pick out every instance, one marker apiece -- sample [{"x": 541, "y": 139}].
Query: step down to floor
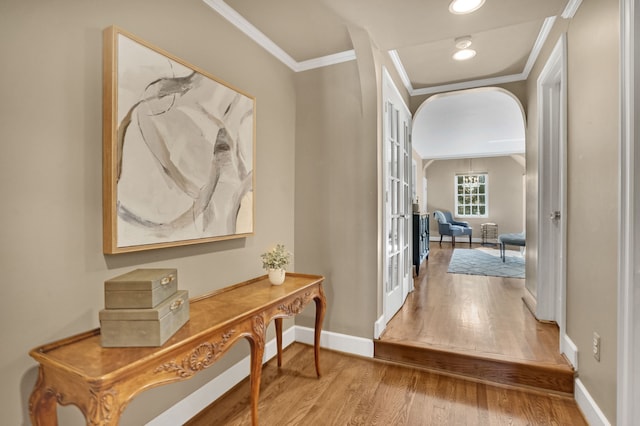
[{"x": 486, "y": 367}]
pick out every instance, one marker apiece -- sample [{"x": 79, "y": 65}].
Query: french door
[{"x": 397, "y": 160}]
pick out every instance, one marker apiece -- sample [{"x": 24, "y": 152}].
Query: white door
[
  {"x": 628, "y": 383},
  {"x": 397, "y": 161},
  {"x": 551, "y": 290}
]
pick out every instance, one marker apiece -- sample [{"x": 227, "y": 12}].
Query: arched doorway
[{"x": 474, "y": 130}]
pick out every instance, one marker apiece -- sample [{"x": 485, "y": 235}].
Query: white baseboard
[
  {"x": 570, "y": 350},
  {"x": 378, "y": 327},
  {"x": 203, "y": 397},
  {"x": 337, "y": 342},
  {"x": 591, "y": 411}
]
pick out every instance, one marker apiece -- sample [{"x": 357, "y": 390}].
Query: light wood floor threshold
[
  {"x": 477, "y": 327},
  {"x": 484, "y": 367}
]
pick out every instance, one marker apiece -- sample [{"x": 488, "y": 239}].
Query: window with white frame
[{"x": 472, "y": 196}]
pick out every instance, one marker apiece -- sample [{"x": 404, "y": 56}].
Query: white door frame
[
  {"x": 552, "y": 118},
  {"x": 392, "y": 303},
  {"x": 628, "y": 380}
]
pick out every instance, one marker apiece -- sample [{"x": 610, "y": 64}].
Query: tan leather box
[
  {"x": 144, "y": 327},
  {"x": 141, "y": 288}
]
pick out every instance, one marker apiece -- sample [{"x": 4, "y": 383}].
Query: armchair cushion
[
  {"x": 449, "y": 219},
  {"x": 452, "y": 228}
]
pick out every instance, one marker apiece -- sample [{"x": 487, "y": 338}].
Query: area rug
[{"x": 486, "y": 262}]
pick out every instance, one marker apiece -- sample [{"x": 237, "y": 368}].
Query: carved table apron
[{"x": 101, "y": 381}]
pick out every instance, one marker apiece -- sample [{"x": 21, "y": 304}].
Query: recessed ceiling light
[
  {"x": 463, "y": 45},
  {"x": 464, "y": 54},
  {"x": 460, "y": 7},
  {"x": 463, "y": 42}
]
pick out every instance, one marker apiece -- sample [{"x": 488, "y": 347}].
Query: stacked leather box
[{"x": 142, "y": 308}]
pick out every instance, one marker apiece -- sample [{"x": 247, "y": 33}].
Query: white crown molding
[
  {"x": 323, "y": 61},
  {"x": 395, "y": 58},
  {"x": 267, "y": 44},
  {"x": 547, "y": 25},
  {"x": 463, "y": 155},
  {"x": 252, "y": 32},
  {"x": 471, "y": 84},
  {"x": 571, "y": 9}
]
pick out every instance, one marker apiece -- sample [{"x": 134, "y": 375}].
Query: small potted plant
[{"x": 274, "y": 262}]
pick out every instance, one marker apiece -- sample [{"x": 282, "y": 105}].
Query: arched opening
[
  {"x": 470, "y": 313},
  {"x": 477, "y": 132}
]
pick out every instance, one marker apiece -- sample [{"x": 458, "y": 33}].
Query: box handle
[
  {"x": 167, "y": 280},
  {"x": 176, "y": 305}
]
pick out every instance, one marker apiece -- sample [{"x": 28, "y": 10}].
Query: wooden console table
[{"x": 101, "y": 381}]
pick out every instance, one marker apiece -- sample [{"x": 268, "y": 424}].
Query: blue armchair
[{"x": 450, "y": 227}]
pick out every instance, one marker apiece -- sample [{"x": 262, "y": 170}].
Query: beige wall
[
  {"x": 325, "y": 208},
  {"x": 593, "y": 90},
  {"x": 51, "y": 133},
  {"x": 336, "y": 197},
  {"x": 419, "y": 187},
  {"x": 337, "y": 212},
  {"x": 592, "y": 176},
  {"x": 505, "y": 192}
]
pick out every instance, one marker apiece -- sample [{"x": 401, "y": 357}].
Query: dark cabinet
[{"x": 420, "y": 239}]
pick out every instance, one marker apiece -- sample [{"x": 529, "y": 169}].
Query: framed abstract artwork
[{"x": 178, "y": 151}]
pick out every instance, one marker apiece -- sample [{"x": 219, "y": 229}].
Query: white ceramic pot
[{"x": 276, "y": 276}]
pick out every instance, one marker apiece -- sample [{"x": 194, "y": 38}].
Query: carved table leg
[
  {"x": 256, "y": 340},
  {"x": 43, "y": 403},
  {"x": 103, "y": 407},
  {"x": 321, "y": 305},
  {"x": 100, "y": 407},
  {"x": 278, "y": 322}
]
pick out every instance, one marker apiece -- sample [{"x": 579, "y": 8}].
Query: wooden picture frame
[{"x": 178, "y": 151}]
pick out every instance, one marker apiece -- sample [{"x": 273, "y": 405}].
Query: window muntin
[{"x": 471, "y": 194}]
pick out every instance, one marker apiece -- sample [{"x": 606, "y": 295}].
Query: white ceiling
[
  {"x": 418, "y": 34},
  {"x": 473, "y": 123}
]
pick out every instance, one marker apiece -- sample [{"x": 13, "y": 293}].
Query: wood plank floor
[
  {"x": 473, "y": 316},
  {"x": 357, "y": 391},
  {"x": 460, "y": 316}
]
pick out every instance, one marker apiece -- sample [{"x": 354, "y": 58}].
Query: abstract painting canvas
[{"x": 178, "y": 151}]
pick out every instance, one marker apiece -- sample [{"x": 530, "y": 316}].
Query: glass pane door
[
  {"x": 395, "y": 228},
  {"x": 397, "y": 208},
  {"x": 396, "y": 184}
]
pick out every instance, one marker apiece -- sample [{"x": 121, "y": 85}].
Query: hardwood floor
[
  {"x": 466, "y": 324},
  {"x": 467, "y": 320},
  {"x": 357, "y": 391}
]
